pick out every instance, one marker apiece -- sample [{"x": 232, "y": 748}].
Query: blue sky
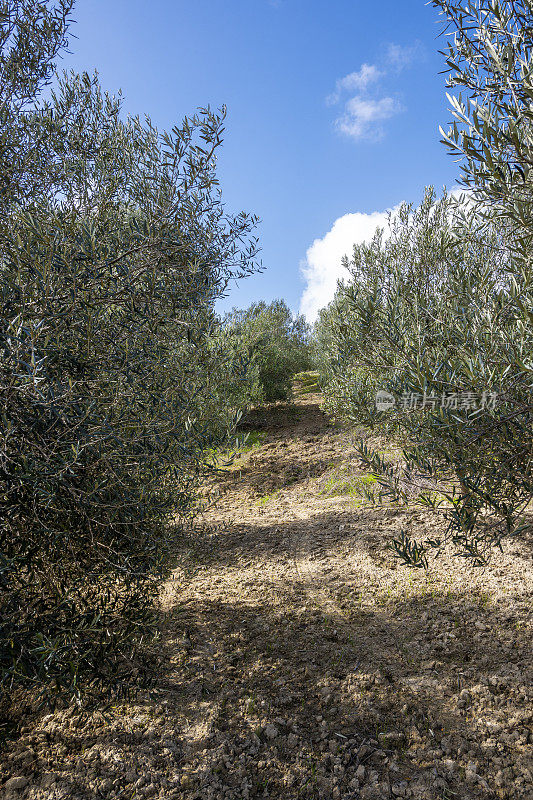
[{"x": 333, "y": 113}]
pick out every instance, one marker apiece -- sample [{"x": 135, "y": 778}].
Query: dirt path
[{"x": 301, "y": 661}]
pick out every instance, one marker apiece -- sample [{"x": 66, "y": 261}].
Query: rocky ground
[{"x": 300, "y": 660}]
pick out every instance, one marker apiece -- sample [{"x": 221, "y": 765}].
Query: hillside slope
[{"x": 300, "y": 660}]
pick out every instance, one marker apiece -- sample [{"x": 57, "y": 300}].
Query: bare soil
[{"x": 299, "y": 659}]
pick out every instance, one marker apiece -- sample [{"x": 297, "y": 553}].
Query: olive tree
[
  {"x": 489, "y": 58},
  {"x": 275, "y": 343},
  {"x": 114, "y": 248},
  {"x": 471, "y": 336},
  {"x": 423, "y": 320}
]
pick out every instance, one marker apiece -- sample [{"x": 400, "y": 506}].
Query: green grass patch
[
  {"x": 251, "y": 440},
  {"x": 266, "y": 498},
  {"x": 229, "y": 459},
  {"x": 342, "y": 482},
  {"x": 307, "y": 382}
]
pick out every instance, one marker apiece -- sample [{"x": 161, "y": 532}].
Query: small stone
[
  {"x": 373, "y": 776},
  {"x": 16, "y": 783},
  {"x": 398, "y": 790},
  {"x": 360, "y": 772},
  {"x": 292, "y": 740},
  {"x": 271, "y": 731},
  {"x": 48, "y": 779}
]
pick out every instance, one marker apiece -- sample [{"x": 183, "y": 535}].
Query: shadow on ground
[
  {"x": 303, "y": 703},
  {"x": 297, "y": 660}
]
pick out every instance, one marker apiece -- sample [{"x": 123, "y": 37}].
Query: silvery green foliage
[
  {"x": 429, "y": 310},
  {"x": 114, "y": 247},
  {"x": 473, "y": 331},
  {"x": 275, "y": 345},
  {"x": 490, "y": 60}
]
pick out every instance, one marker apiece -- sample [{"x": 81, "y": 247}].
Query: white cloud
[
  {"x": 322, "y": 267},
  {"x": 401, "y": 57},
  {"x": 361, "y": 115},
  {"x": 369, "y": 106},
  {"x": 355, "y": 81}
]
